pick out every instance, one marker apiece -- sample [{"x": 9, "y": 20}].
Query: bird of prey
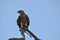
[{"x": 23, "y": 22}]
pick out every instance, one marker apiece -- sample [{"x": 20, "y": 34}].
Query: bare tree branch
[
  {"x": 35, "y": 37},
  {"x": 16, "y": 39}
]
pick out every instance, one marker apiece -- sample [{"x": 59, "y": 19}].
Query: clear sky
[{"x": 44, "y": 18}]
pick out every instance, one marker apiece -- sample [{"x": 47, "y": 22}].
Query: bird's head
[{"x": 21, "y": 12}]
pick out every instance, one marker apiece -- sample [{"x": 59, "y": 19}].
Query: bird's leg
[
  {"x": 21, "y": 25},
  {"x": 22, "y": 33}
]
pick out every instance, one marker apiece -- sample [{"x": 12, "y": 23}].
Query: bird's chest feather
[{"x": 23, "y": 19}]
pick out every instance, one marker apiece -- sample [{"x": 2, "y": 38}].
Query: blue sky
[{"x": 44, "y": 18}]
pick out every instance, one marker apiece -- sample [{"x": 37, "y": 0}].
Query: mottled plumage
[
  {"x": 23, "y": 19},
  {"x": 23, "y": 22}
]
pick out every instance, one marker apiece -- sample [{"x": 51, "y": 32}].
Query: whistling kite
[{"x": 23, "y": 21}]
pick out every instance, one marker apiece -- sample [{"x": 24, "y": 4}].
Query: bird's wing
[{"x": 28, "y": 21}]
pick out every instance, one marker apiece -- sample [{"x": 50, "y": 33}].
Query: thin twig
[{"x": 35, "y": 37}]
